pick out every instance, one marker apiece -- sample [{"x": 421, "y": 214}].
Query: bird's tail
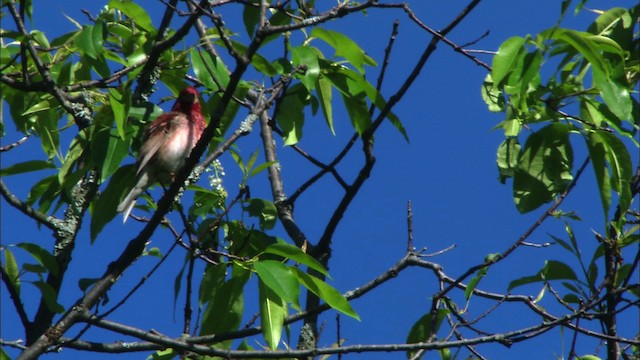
[{"x": 129, "y": 202}]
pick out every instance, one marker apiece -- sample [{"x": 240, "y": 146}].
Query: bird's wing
[{"x": 156, "y": 136}]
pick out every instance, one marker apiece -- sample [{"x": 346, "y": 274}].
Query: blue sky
[{"x": 448, "y": 172}]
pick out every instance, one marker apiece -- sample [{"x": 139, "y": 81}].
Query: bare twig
[{"x": 13, "y": 145}]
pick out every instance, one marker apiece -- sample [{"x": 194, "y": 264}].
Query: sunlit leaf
[
  {"x": 324, "y": 91},
  {"x": 492, "y": 95},
  {"x": 135, "y": 12},
  {"x": 11, "y": 269},
  {"x": 343, "y": 46},
  {"x": 272, "y": 312},
  {"x": 43, "y": 257},
  {"x": 544, "y": 167},
  {"x": 280, "y": 279},
  {"x": 296, "y": 254},
  {"x": 552, "y": 270},
  {"x": 505, "y": 57},
  {"x": 27, "y": 166},
  {"x": 325, "y": 292},
  {"x": 305, "y": 56},
  {"x": 290, "y": 116},
  {"x": 508, "y": 155}
]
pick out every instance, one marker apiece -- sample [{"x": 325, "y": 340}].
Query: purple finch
[{"x": 167, "y": 143}]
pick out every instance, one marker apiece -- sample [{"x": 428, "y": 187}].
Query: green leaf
[
  {"x": 135, "y": 12},
  {"x": 272, "y": 313},
  {"x": 34, "y": 268},
  {"x": 205, "y": 201},
  {"x": 607, "y": 20},
  {"x": 264, "y": 210},
  {"x": 324, "y": 91},
  {"x": 614, "y": 94},
  {"x": 280, "y": 279},
  {"x": 358, "y": 111},
  {"x": 11, "y": 269},
  {"x": 607, "y": 146},
  {"x": 42, "y": 256},
  {"x": 582, "y": 42},
  {"x": 258, "y": 169},
  {"x": 598, "y": 153},
  {"x": 231, "y": 111},
  {"x": 224, "y": 309},
  {"x": 508, "y": 155},
  {"x": 421, "y": 331},
  {"x": 344, "y": 47},
  {"x": 505, "y": 58},
  {"x": 46, "y": 127},
  {"x": 108, "y": 149},
  {"x": 263, "y": 65},
  {"x": 84, "y": 42},
  {"x": 120, "y": 103},
  {"x": 622, "y": 242},
  {"x": 103, "y": 210},
  {"x": 43, "y": 105},
  {"x": 552, "y": 270},
  {"x": 85, "y": 283},
  {"x": 474, "y": 282},
  {"x": 296, "y": 254},
  {"x": 27, "y": 166},
  {"x": 167, "y": 354},
  {"x": 492, "y": 95},
  {"x": 355, "y": 90},
  {"x": 544, "y": 167},
  {"x": 46, "y": 191},
  {"x": 213, "y": 278},
  {"x": 4, "y": 355},
  {"x": 97, "y": 38},
  {"x": 290, "y": 115},
  {"x": 251, "y": 17},
  {"x": 210, "y": 70},
  {"x": 325, "y": 292},
  {"x": 305, "y": 56},
  {"x": 50, "y": 297}
]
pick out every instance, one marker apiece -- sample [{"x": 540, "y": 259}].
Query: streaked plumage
[{"x": 167, "y": 143}]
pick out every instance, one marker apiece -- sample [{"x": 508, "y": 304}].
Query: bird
[{"x": 166, "y": 144}]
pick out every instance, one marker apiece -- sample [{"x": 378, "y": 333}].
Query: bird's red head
[{"x": 187, "y": 101}]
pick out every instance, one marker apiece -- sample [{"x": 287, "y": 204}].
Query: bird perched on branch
[{"x": 167, "y": 143}]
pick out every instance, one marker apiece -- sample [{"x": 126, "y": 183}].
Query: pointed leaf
[
  {"x": 11, "y": 269},
  {"x": 296, "y": 254},
  {"x": 325, "y": 292},
  {"x": 50, "y": 297},
  {"x": 135, "y": 12},
  {"x": 290, "y": 116},
  {"x": 304, "y": 55},
  {"x": 505, "y": 57},
  {"x": 324, "y": 91},
  {"x": 224, "y": 309},
  {"x": 280, "y": 279},
  {"x": 344, "y": 47},
  {"x": 552, "y": 270},
  {"x": 27, "y": 166},
  {"x": 43, "y": 257},
  {"x": 272, "y": 313}
]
